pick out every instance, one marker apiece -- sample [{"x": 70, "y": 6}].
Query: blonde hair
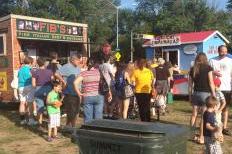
[
  {"x": 130, "y": 68},
  {"x": 211, "y": 101}
]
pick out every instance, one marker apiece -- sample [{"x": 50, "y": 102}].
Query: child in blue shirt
[
  {"x": 26, "y": 92},
  {"x": 209, "y": 127}
]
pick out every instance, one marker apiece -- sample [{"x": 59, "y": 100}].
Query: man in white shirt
[
  {"x": 222, "y": 65},
  {"x": 106, "y": 71}
]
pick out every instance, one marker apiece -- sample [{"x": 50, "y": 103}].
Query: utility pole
[
  {"x": 89, "y": 47},
  {"x": 117, "y": 27},
  {"x": 132, "y": 47},
  {"x": 117, "y": 8}
]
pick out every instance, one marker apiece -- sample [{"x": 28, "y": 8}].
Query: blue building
[{"x": 182, "y": 48}]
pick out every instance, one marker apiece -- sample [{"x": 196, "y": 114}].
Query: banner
[
  {"x": 3, "y": 81},
  {"x": 165, "y": 40},
  {"x": 29, "y": 29}
]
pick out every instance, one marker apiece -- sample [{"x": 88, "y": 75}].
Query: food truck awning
[{"x": 182, "y": 38}]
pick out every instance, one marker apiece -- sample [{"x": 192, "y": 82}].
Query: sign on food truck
[
  {"x": 29, "y": 29},
  {"x": 3, "y": 81},
  {"x": 165, "y": 40},
  {"x": 190, "y": 49}
]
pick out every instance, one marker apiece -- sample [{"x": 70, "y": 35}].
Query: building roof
[
  {"x": 192, "y": 37},
  {"x": 41, "y": 19}
]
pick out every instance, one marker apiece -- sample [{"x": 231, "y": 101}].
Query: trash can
[{"x": 131, "y": 137}]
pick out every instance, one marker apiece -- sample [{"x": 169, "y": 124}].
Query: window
[{"x": 2, "y": 44}]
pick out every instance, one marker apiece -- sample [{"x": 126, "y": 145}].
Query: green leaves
[
  {"x": 151, "y": 16},
  {"x": 229, "y": 5}
]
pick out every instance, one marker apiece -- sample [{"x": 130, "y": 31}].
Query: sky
[
  {"x": 128, "y": 3},
  {"x": 220, "y": 4}
]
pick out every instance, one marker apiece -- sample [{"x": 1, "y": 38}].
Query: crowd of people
[
  {"x": 210, "y": 94},
  {"x": 106, "y": 90},
  {"x": 102, "y": 88}
]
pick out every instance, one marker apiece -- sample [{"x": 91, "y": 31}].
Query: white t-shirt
[
  {"x": 224, "y": 67},
  {"x": 106, "y": 70}
]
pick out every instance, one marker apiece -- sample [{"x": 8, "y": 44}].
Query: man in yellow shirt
[{"x": 143, "y": 79}]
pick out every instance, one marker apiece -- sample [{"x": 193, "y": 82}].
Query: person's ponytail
[{"x": 90, "y": 64}]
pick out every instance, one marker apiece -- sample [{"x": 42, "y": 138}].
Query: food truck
[
  {"x": 35, "y": 37},
  {"x": 181, "y": 49}
]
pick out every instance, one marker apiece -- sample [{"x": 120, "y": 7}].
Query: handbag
[
  {"x": 128, "y": 91},
  {"x": 103, "y": 86}
]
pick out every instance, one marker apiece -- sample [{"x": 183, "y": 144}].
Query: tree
[
  {"x": 6, "y": 6},
  {"x": 151, "y": 16},
  {"x": 148, "y": 10},
  {"x": 229, "y": 5}
]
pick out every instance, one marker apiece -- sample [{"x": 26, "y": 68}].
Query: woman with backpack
[
  {"x": 106, "y": 72},
  {"x": 122, "y": 79}
]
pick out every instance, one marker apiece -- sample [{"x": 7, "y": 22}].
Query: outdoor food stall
[
  {"x": 181, "y": 49},
  {"x": 35, "y": 37}
]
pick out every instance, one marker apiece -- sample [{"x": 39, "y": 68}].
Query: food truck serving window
[{"x": 2, "y": 44}]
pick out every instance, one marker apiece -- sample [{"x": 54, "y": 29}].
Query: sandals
[
  {"x": 196, "y": 139},
  {"x": 199, "y": 141}
]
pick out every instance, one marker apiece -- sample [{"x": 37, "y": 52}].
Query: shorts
[
  {"x": 227, "y": 95},
  {"x": 54, "y": 120},
  {"x": 212, "y": 147},
  {"x": 39, "y": 105},
  {"x": 162, "y": 87},
  {"x": 199, "y": 98},
  {"x": 41, "y": 93},
  {"x": 72, "y": 106},
  {"x": 26, "y": 94}
]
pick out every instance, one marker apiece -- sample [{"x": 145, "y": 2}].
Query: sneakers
[
  {"x": 226, "y": 132},
  {"x": 64, "y": 115},
  {"x": 23, "y": 122},
  {"x": 56, "y": 137},
  {"x": 35, "y": 113},
  {"x": 32, "y": 122},
  {"x": 49, "y": 139},
  {"x": 105, "y": 116}
]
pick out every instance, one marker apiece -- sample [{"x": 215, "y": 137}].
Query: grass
[
  {"x": 17, "y": 139},
  {"x": 180, "y": 113},
  {"x": 24, "y": 140}
]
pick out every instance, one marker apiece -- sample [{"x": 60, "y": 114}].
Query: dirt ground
[{"x": 31, "y": 140}]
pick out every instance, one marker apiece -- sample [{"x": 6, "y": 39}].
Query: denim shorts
[
  {"x": 41, "y": 93},
  {"x": 26, "y": 94},
  {"x": 199, "y": 98},
  {"x": 39, "y": 104}
]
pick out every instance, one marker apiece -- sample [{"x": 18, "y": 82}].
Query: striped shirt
[{"x": 90, "y": 83}]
